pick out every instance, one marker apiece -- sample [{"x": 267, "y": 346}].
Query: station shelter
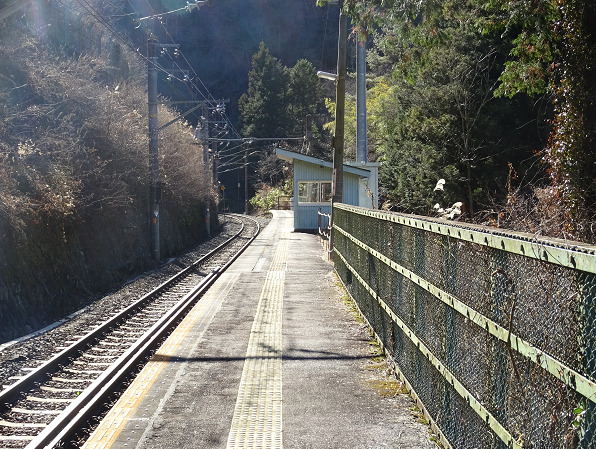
[{"x": 312, "y": 186}]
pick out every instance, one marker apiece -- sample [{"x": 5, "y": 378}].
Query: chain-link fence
[{"x": 494, "y": 332}]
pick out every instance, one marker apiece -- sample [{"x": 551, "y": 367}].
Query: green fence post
[
  {"x": 587, "y": 292},
  {"x": 500, "y": 290},
  {"x": 419, "y": 318},
  {"x": 450, "y": 282}
]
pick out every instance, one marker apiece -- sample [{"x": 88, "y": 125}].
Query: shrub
[{"x": 267, "y": 196}]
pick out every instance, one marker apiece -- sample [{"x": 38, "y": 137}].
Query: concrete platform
[{"x": 271, "y": 357}]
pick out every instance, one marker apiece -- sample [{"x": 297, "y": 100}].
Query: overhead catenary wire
[
  {"x": 125, "y": 40},
  {"x": 191, "y": 82},
  {"x": 102, "y": 20},
  {"x": 189, "y": 7},
  {"x": 208, "y": 97},
  {"x": 116, "y": 33},
  {"x": 236, "y": 165}
]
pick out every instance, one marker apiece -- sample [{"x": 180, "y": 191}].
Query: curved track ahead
[{"x": 55, "y": 400}]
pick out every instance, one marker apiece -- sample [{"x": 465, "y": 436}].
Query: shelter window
[{"x": 314, "y": 192}]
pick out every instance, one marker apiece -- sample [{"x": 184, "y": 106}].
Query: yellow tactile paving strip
[
  {"x": 257, "y": 421},
  {"x": 112, "y": 425},
  {"x": 280, "y": 258}
]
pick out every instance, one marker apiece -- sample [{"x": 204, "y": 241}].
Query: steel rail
[
  {"x": 73, "y": 417},
  {"x": 79, "y": 411},
  {"x": 82, "y": 409},
  {"x": 43, "y": 372}
]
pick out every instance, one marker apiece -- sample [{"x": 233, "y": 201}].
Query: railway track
[{"x": 50, "y": 404}]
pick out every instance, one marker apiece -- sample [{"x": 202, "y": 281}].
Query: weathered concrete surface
[{"x": 313, "y": 381}]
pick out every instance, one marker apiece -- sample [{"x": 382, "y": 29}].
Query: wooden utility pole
[
  {"x": 337, "y": 181},
  {"x": 340, "y": 102}
]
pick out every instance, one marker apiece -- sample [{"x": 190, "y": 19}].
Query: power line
[
  {"x": 99, "y": 17},
  {"x": 189, "y": 7},
  {"x": 209, "y": 96},
  {"x": 188, "y": 82}
]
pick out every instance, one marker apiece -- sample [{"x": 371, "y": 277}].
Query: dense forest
[
  {"x": 495, "y": 97},
  {"x": 74, "y": 165},
  {"x": 220, "y": 38}
]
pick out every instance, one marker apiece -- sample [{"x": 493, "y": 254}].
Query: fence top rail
[{"x": 567, "y": 253}]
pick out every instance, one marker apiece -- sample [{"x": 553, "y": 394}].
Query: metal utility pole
[
  {"x": 154, "y": 194},
  {"x": 210, "y": 172},
  {"x": 238, "y": 192},
  {"x": 361, "y": 150},
  {"x": 205, "y": 143},
  {"x": 246, "y": 181},
  {"x": 214, "y": 161},
  {"x": 308, "y": 133}
]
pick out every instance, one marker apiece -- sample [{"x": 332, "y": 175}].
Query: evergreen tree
[
  {"x": 305, "y": 95},
  {"x": 264, "y": 107},
  {"x": 276, "y": 104}
]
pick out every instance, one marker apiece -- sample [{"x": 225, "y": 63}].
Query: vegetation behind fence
[{"x": 493, "y": 331}]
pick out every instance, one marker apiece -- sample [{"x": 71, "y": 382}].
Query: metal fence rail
[{"x": 494, "y": 332}]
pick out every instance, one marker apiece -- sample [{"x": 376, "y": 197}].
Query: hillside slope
[{"x": 74, "y": 166}]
